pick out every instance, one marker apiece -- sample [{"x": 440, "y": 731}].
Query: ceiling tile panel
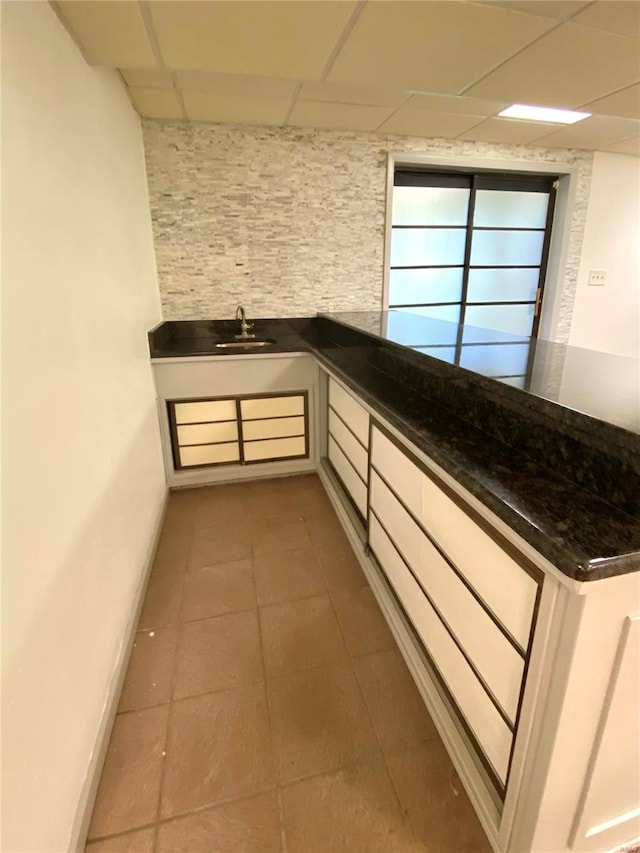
[
  {"x": 624, "y": 103},
  {"x": 628, "y": 146},
  {"x": 276, "y": 38},
  {"x": 354, "y": 117},
  {"x": 156, "y": 103},
  {"x": 233, "y": 108},
  {"x": 147, "y": 79},
  {"x": 616, "y": 16},
  {"x": 238, "y": 84},
  {"x": 594, "y": 132},
  {"x": 340, "y": 94},
  {"x": 569, "y": 66},
  {"x": 509, "y": 131},
  {"x": 412, "y": 122},
  {"x": 560, "y": 9},
  {"x": 111, "y": 33},
  {"x": 437, "y": 46},
  {"x": 449, "y": 104}
]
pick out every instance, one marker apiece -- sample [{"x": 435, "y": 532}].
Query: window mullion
[{"x": 465, "y": 268}]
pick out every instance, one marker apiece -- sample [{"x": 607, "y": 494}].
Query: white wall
[
  {"x": 83, "y": 476},
  {"x": 608, "y": 318}
]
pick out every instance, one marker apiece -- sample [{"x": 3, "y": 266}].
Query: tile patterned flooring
[{"x": 266, "y": 707}]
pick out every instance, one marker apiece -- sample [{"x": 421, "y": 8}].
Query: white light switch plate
[{"x": 597, "y": 278}]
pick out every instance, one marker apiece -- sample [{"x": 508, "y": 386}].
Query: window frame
[{"x": 558, "y": 244}]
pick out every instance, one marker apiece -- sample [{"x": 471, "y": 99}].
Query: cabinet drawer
[
  {"x": 497, "y": 661},
  {"x": 205, "y": 410},
  {"x": 273, "y": 428},
  {"x": 491, "y": 732},
  {"x": 503, "y": 585},
  {"x": 272, "y": 407},
  {"x": 351, "y": 412},
  {"x": 349, "y": 477},
  {"x": 209, "y": 454},
  {"x": 403, "y": 476},
  {"x": 276, "y": 448},
  {"x": 349, "y": 444},
  {"x": 207, "y": 433}
]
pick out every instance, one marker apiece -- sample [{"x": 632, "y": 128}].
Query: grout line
[{"x": 342, "y": 38}]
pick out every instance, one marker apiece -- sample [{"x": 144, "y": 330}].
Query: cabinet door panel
[
  {"x": 351, "y": 412},
  {"x": 207, "y": 433},
  {"x": 272, "y": 407},
  {"x": 276, "y": 448},
  {"x": 349, "y": 445},
  {"x": 273, "y": 428},
  {"x": 403, "y": 476},
  {"x": 205, "y": 410},
  {"x": 347, "y": 474},
  {"x": 209, "y": 454},
  {"x": 490, "y": 730},
  {"x": 501, "y": 583}
]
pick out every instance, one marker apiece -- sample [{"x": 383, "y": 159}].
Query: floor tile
[
  {"x": 278, "y": 500},
  {"x": 327, "y": 532},
  {"x": 319, "y": 721},
  {"x": 140, "y": 841},
  {"x": 214, "y": 654},
  {"x": 300, "y": 634},
  {"x": 278, "y": 533},
  {"x": 148, "y": 678},
  {"x": 219, "y": 749},
  {"x": 363, "y": 625},
  {"x": 349, "y": 810},
  {"x": 287, "y": 575},
  {"x": 223, "y": 544},
  {"x": 162, "y": 602},
  {"x": 213, "y": 590},
  {"x": 396, "y": 707},
  {"x": 172, "y": 552},
  {"x": 130, "y": 784},
  {"x": 221, "y": 505},
  {"x": 178, "y": 519},
  {"x": 425, "y": 780},
  {"x": 311, "y": 497},
  {"x": 340, "y": 568},
  {"x": 246, "y": 826}
]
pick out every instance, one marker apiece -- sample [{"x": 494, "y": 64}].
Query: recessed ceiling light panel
[{"x": 548, "y": 114}]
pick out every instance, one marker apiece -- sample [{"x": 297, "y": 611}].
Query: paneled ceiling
[{"x": 441, "y": 68}]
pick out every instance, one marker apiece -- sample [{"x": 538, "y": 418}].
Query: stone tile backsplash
[{"x": 290, "y": 221}]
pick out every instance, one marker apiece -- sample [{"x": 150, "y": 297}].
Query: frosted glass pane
[
  {"x": 408, "y": 287},
  {"x": 498, "y": 209},
  {"x": 502, "y": 285},
  {"x": 450, "y": 313},
  {"x": 427, "y": 247},
  {"x": 508, "y": 318},
  {"x": 506, "y": 248},
  {"x": 430, "y": 206},
  {"x": 412, "y": 327},
  {"x": 514, "y": 381},
  {"x": 447, "y": 354},
  {"x": 496, "y": 360}
]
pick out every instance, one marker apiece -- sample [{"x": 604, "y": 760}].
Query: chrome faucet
[{"x": 245, "y": 327}]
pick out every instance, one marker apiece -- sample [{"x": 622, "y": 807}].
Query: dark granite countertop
[{"x": 566, "y": 482}]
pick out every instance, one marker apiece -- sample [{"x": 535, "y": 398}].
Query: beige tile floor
[{"x": 266, "y": 707}]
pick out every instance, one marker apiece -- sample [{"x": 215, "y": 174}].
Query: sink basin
[{"x": 243, "y": 344}]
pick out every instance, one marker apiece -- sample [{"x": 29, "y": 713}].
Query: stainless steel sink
[{"x": 243, "y": 344}]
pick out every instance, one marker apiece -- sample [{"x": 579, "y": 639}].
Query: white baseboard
[{"x": 80, "y": 828}]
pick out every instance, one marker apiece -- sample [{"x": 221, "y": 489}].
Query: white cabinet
[{"x": 348, "y": 444}]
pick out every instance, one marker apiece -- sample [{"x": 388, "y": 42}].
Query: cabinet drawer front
[
  {"x": 496, "y": 660},
  {"x": 492, "y": 733},
  {"x": 275, "y": 448},
  {"x": 347, "y": 474},
  {"x": 349, "y": 445},
  {"x": 502, "y": 584},
  {"x": 403, "y": 476},
  {"x": 209, "y": 454},
  {"x": 351, "y": 412},
  {"x": 272, "y": 407},
  {"x": 274, "y": 428},
  {"x": 206, "y": 410},
  {"x": 207, "y": 433}
]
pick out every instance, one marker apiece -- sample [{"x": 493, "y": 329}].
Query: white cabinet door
[{"x": 350, "y": 411}]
